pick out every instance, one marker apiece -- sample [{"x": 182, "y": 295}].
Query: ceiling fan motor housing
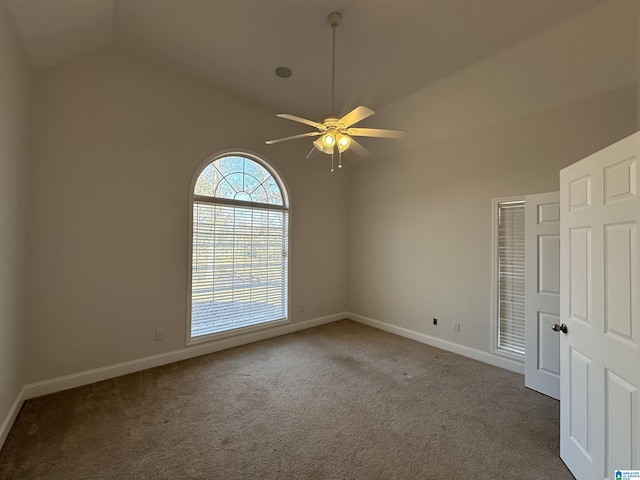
[{"x": 330, "y": 120}]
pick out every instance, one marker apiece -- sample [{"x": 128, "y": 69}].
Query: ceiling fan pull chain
[
  {"x": 332, "y": 162},
  {"x": 339, "y": 159}
]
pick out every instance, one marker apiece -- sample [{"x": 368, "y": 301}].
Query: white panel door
[
  {"x": 542, "y": 293},
  {"x": 600, "y": 352}
]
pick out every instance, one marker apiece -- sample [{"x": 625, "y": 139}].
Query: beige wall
[
  {"x": 116, "y": 141},
  {"x": 15, "y": 84},
  {"x": 420, "y": 220}
]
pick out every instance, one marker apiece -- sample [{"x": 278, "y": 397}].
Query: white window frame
[
  {"x": 285, "y": 197},
  {"x": 495, "y": 283}
]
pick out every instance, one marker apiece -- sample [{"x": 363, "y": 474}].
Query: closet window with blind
[
  {"x": 239, "y": 272},
  {"x": 510, "y": 277}
]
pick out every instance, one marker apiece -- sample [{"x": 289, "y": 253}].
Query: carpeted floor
[{"x": 340, "y": 401}]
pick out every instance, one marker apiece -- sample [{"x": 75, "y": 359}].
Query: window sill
[
  {"x": 511, "y": 356},
  {"x": 235, "y": 332}
]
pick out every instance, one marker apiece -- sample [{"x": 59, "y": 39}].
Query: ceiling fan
[{"x": 338, "y": 132}]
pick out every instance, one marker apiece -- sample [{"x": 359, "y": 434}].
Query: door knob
[{"x": 559, "y": 328}]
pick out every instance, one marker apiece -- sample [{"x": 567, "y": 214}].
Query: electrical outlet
[
  {"x": 435, "y": 321},
  {"x": 301, "y": 308},
  {"x": 159, "y": 335},
  {"x": 456, "y": 327}
]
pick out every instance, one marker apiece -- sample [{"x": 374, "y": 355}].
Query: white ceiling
[{"x": 384, "y": 49}]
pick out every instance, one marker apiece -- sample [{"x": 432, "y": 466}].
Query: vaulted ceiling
[{"x": 384, "y": 49}]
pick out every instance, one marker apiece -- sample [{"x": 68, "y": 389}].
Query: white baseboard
[
  {"x": 11, "y": 416},
  {"x": 79, "y": 379},
  {"x": 463, "y": 350},
  {"x": 98, "y": 374}
]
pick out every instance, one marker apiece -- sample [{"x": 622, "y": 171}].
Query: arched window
[{"x": 239, "y": 248}]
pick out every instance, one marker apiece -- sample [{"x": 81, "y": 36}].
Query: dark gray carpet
[{"x": 340, "y": 401}]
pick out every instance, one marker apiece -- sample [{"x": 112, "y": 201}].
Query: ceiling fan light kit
[{"x": 335, "y": 132}]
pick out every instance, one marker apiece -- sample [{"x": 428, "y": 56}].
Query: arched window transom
[
  {"x": 239, "y": 254},
  {"x": 238, "y": 178}
]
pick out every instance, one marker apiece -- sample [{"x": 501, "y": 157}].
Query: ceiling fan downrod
[{"x": 334, "y": 19}]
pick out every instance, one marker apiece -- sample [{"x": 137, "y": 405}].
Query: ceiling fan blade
[
  {"x": 302, "y": 120},
  {"x": 375, "y": 132},
  {"x": 359, "y": 149},
  {"x": 356, "y": 115},
  {"x": 293, "y": 137},
  {"x": 313, "y": 153}
]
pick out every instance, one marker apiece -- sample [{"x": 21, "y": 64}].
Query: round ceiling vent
[{"x": 283, "y": 72}]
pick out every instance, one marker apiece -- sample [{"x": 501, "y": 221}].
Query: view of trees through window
[{"x": 239, "y": 259}]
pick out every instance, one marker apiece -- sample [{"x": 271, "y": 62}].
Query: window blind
[
  {"x": 511, "y": 276},
  {"x": 239, "y": 266}
]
